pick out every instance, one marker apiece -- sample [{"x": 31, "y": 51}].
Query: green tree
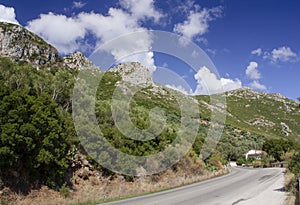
[
  {"x": 33, "y": 140},
  {"x": 278, "y": 147},
  {"x": 294, "y": 165}
]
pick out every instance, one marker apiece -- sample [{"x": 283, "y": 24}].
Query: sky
[{"x": 251, "y": 43}]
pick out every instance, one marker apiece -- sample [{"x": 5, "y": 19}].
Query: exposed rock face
[
  {"x": 78, "y": 61},
  {"x": 261, "y": 122},
  {"x": 134, "y": 73},
  {"x": 245, "y": 93},
  {"x": 19, "y": 44},
  {"x": 285, "y": 129}
]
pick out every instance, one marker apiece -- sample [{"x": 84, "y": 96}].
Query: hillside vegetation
[
  {"x": 39, "y": 144},
  {"x": 271, "y": 115}
]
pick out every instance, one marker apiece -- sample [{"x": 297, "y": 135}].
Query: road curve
[{"x": 242, "y": 186}]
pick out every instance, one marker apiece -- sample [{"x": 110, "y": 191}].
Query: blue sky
[{"x": 252, "y": 43}]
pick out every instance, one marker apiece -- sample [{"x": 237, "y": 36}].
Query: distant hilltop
[{"x": 21, "y": 45}]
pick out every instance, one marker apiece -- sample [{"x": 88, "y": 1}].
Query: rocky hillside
[
  {"x": 270, "y": 115},
  {"x": 20, "y": 45},
  {"x": 77, "y": 61}
]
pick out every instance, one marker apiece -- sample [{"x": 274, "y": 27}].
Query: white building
[{"x": 257, "y": 154}]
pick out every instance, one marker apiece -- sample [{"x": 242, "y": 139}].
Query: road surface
[{"x": 242, "y": 186}]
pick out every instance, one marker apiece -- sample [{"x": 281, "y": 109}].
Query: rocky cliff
[
  {"x": 21, "y": 45},
  {"x": 78, "y": 61},
  {"x": 134, "y": 73}
]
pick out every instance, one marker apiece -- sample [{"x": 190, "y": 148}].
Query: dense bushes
[
  {"x": 294, "y": 165},
  {"x": 33, "y": 140},
  {"x": 277, "y": 148},
  {"x": 235, "y": 143},
  {"x": 35, "y": 134}
]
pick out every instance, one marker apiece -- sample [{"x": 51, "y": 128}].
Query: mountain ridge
[{"x": 246, "y": 108}]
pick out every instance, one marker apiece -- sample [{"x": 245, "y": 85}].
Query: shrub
[
  {"x": 64, "y": 191},
  {"x": 33, "y": 139},
  {"x": 240, "y": 161}
]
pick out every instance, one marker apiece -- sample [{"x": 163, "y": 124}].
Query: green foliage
[
  {"x": 38, "y": 138},
  {"x": 32, "y": 137},
  {"x": 216, "y": 160},
  {"x": 240, "y": 161},
  {"x": 140, "y": 106},
  {"x": 235, "y": 143},
  {"x": 278, "y": 147},
  {"x": 35, "y": 134},
  {"x": 64, "y": 191},
  {"x": 294, "y": 165},
  {"x": 246, "y": 107}
]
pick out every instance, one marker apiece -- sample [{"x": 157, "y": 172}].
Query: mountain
[
  {"x": 270, "y": 115},
  {"x": 77, "y": 61},
  {"x": 21, "y": 45}
]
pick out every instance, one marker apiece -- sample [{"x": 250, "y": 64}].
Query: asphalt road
[{"x": 241, "y": 186}]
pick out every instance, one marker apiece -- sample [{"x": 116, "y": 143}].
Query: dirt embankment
[{"x": 89, "y": 185}]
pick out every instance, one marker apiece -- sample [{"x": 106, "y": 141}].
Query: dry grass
[
  {"x": 99, "y": 189},
  {"x": 289, "y": 186}
]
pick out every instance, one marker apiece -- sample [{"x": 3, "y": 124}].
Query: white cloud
[
  {"x": 184, "y": 6},
  {"x": 257, "y": 52},
  {"x": 197, "y": 22},
  {"x": 7, "y": 14},
  {"x": 111, "y": 26},
  {"x": 116, "y": 24},
  {"x": 208, "y": 83},
  {"x": 252, "y": 71},
  {"x": 257, "y": 85},
  {"x": 141, "y": 9},
  {"x": 67, "y": 33},
  {"x": 78, "y": 4},
  {"x": 284, "y": 54},
  {"x": 61, "y": 31},
  {"x": 229, "y": 84},
  {"x": 281, "y": 54}
]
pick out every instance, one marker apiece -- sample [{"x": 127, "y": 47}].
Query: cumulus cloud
[
  {"x": 281, "y": 54},
  {"x": 252, "y": 71},
  {"x": 141, "y": 9},
  {"x": 108, "y": 27},
  {"x": 257, "y": 85},
  {"x": 253, "y": 74},
  {"x": 7, "y": 14},
  {"x": 208, "y": 83},
  {"x": 257, "y": 52},
  {"x": 61, "y": 31},
  {"x": 67, "y": 33},
  {"x": 230, "y": 84},
  {"x": 284, "y": 54},
  {"x": 197, "y": 22},
  {"x": 119, "y": 23}
]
